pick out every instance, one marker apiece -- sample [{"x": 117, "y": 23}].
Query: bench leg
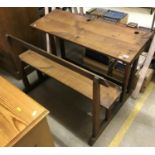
[
  {"x": 125, "y": 82},
  {"x": 24, "y": 78},
  {"x": 40, "y": 75},
  {"x": 95, "y": 110},
  {"x": 108, "y": 114},
  {"x": 60, "y": 47}
]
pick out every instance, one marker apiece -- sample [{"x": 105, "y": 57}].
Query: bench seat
[{"x": 70, "y": 78}]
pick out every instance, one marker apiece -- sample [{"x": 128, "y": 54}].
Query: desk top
[
  {"x": 18, "y": 113},
  {"x": 115, "y": 40}
]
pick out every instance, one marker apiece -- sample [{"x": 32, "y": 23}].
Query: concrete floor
[{"x": 70, "y": 121}]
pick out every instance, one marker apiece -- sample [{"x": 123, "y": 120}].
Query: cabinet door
[{"x": 17, "y": 21}]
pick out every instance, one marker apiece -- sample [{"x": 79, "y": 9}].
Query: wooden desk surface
[
  {"x": 18, "y": 113},
  {"x": 115, "y": 40}
]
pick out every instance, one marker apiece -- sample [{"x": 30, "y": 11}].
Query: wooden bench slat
[{"x": 70, "y": 78}]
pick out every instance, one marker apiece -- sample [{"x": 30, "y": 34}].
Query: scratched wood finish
[
  {"x": 18, "y": 113},
  {"x": 70, "y": 78},
  {"x": 114, "y": 40}
]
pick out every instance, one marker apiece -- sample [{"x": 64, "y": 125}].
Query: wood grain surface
[
  {"x": 115, "y": 40},
  {"x": 70, "y": 78},
  {"x": 18, "y": 113}
]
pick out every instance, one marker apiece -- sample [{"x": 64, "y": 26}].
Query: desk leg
[
  {"x": 126, "y": 81},
  {"x": 40, "y": 75},
  {"x": 62, "y": 47},
  {"x": 132, "y": 76},
  {"x": 53, "y": 44}
]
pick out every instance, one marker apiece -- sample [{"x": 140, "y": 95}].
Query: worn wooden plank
[
  {"x": 18, "y": 113},
  {"x": 70, "y": 78},
  {"x": 115, "y": 40}
]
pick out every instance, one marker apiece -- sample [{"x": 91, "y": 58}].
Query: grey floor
[
  {"x": 70, "y": 119},
  {"x": 70, "y": 122}
]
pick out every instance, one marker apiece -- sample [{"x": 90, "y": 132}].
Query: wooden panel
[
  {"x": 39, "y": 136},
  {"x": 115, "y": 40},
  {"x": 16, "y": 22},
  {"x": 18, "y": 113},
  {"x": 70, "y": 78}
]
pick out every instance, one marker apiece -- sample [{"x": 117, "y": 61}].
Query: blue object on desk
[{"x": 114, "y": 15}]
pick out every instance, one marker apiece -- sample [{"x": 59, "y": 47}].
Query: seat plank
[{"x": 70, "y": 78}]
